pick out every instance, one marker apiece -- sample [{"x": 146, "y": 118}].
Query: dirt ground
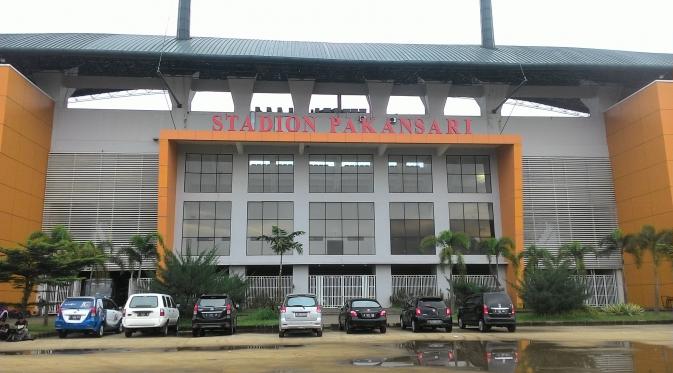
[{"x": 334, "y": 352}]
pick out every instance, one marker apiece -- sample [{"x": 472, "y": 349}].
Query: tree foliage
[
  {"x": 659, "y": 244},
  {"x": 52, "y": 258},
  {"x": 282, "y": 243},
  {"x": 188, "y": 277},
  {"x": 495, "y": 247},
  {"x": 577, "y": 251},
  {"x": 140, "y": 248}
]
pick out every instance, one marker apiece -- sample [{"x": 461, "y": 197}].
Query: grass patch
[
  {"x": 258, "y": 317},
  {"x": 594, "y": 315}
]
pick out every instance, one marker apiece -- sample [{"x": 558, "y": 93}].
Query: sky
[{"x": 643, "y": 25}]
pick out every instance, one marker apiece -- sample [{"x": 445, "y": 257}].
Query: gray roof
[{"x": 361, "y": 53}]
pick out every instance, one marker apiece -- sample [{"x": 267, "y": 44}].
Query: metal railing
[
  {"x": 54, "y": 295},
  {"x": 602, "y": 290},
  {"x": 266, "y": 287},
  {"x": 415, "y": 285},
  {"x": 140, "y": 285},
  {"x": 333, "y": 290},
  {"x": 481, "y": 280}
]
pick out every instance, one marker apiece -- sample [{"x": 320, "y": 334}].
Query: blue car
[{"x": 90, "y": 315}]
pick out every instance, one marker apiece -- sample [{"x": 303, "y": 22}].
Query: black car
[
  {"x": 487, "y": 310},
  {"x": 214, "y": 312},
  {"x": 426, "y": 312},
  {"x": 362, "y": 313}
]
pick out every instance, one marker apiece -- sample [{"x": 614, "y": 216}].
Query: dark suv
[
  {"x": 214, "y": 312},
  {"x": 487, "y": 310},
  {"x": 426, "y": 312}
]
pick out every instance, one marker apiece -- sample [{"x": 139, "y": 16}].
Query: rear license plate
[
  {"x": 369, "y": 315},
  {"x": 76, "y": 317},
  {"x": 434, "y": 322},
  {"x": 300, "y": 314},
  {"x": 142, "y": 313}
]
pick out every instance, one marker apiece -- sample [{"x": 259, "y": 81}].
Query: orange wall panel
[{"x": 640, "y": 140}]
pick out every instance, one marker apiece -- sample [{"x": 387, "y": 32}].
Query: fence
[
  {"x": 139, "y": 285},
  {"x": 415, "y": 285},
  {"x": 56, "y": 294},
  {"x": 481, "y": 280},
  {"x": 601, "y": 289},
  {"x": 333, "y": 290},
  {"x": 266, "y": 287}
]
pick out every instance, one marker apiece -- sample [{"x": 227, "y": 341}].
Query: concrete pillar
[
  {"x": 241, "y": 94},
  {"x": 384, "y": 284},
  {"x": 502, "y": 274},
  {"x": 378, "y": 97},
  {"x": 443, "y": 280},
  {"x": 619, "y": 276},
  {"x": 52, "y": 84},
  {"x": 301, "y": 91},
  {"x": 604, "y": 99},
  {"x": 435, "y": 98},
  {"x": 182, "y": 102},
  {"x": 494, "y": 94},
  {"x": 300, "y": 278}
]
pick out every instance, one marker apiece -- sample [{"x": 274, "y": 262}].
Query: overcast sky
[{"x": 643, "y": 25}]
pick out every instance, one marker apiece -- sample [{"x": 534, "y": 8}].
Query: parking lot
[{"x": 333, "y": 352}]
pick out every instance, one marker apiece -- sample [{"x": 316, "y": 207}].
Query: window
[
  {"x": 270, "y": 173},
  {"x": 468, "y": 174},
  {"x": 206, "y": 226},
  {"x": 410, "y": 173},
  {"x": 262, "y": 216},
  {"x": 473, "y": 219},
  {"x": 337, "y": 228},
  {"x": 341, "y": 173},
  {"x": 411, "y": 222},
  {"x": 208, "y": 173}
]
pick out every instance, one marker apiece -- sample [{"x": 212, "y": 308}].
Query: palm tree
[
  {"x": 282, "y": 243},
  {"x": 503, "y": 246},
  {"x": 450, "y": 244},
  {"x": 577, "y": 251},
  {"x": 535, "y": 256},
  {"x": 659, "y": 245},
  {"x": 515, "y": 260},
  {"x": 140, "y": 248},
  {"x": 618, "y": 242}
]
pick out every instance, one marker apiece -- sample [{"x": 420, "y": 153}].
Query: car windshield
[
  {"x": 366, "y": 303},
  {"x": 143, "y": 301},
  {"x": 213, "y": 302},
  {"x": 497, "y": 298},
  {"x": 431, "y": 303},
  {"x": 301, "y": 302},
  {"x": 77, "y": 303}
]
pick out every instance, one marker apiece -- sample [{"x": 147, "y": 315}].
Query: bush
[
  {"x": 463, "y": 289},
  {"x": 260, "y": 301},
  {"x": 399, "y": 298},
  {"x": 626, "y": 309},
  {"x": 552, "y": 290}
]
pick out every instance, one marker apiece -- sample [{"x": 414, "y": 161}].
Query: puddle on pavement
[
  {"x": 524, "y": 356},
  {"x": 85, "y": 351}
]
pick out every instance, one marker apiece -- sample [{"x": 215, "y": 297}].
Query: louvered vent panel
[
  {"x": 100, "y": 197},
  {"x": 569, "y": 199}
]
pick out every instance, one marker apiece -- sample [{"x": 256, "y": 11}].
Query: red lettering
[
  {"x": 297, "y": 123},
  {"x": 434, "y": 128},
  {"x": 334, "y": 122},
  {"x": 217, "y": 123},
  {"x": 247, "y": 125},
  {"x": 452, "y": 126},
  {"x": 406, "y": 124},
  {"x": 279, "y": 124},
  {"x": 309, "y": 122},
  {"x": 388, "y": 127},
  {"x": 468, "y": 126},
  {"x": 420, "y": 126},
  {"x": 350, "y": 127},
  {"x": 265, "y": 119},
  {"x": 232, "y": 121},
  {"x": 366, "y": 126}
]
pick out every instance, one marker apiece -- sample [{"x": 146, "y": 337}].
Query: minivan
[
  {"x": 151, "y": 312},
  {"x": 300, "y": 312},
  {"x": 487, "y": 310}
]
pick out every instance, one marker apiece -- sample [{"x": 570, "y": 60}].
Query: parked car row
[{"x": 152, "y": 312}]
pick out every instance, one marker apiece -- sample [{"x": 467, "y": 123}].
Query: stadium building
[{"x": 364, "y": 182}]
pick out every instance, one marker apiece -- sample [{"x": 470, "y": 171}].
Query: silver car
[{"x": 300, "y": 312}]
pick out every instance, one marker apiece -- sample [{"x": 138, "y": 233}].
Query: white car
[
  {"x": 151, "y": 312},
  {"x": 300, "y": 312}
]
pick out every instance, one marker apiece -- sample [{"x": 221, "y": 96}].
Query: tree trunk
[
  {"x": 656, "y": 287},
  {"x": 27, "y": 289},
  {"x": 452, "y": 294},
  {"x": 626, "y": 298},
  {"x": 497, "y": 272},
  {"x": 280, "y": 277}
]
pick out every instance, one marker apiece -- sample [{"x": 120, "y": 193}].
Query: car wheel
[
  {"x": 461, "y": 324},
  {"x": 164, "y": 330},
  {"x": 482, "y": 326},
  {"x": 414, "y": 326},
  {"x": 402, "y": 323},
  {"x": 318, "y": 333},
  {"x": 348, "y": 327},
  {"x": 195, "y": 333},
  {"x": 449, "y": 328},
  {"x": 383, "y": 329},
  {"x": 120, "y": 328},
  {"x": 511, "y": 328},
  {"x": 281, "y": 334},
  {"x": 177, "y": 328},
  {"x": 62, "y": 334},
  {"x": 100, "y": 331},
  {"x": 128, "y": 333}
]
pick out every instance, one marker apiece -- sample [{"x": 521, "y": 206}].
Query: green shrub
[
  {"x": 463, "y": 289},
  {"x": 399, "y": 298},
  {"x": 626, "y": 309},
  {"x": 552, "y": 290}
]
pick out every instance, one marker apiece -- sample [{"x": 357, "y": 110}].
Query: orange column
[
  {"x": 168, "y": 159},
  {"x": 26, "y": 115},
  {"x": 640, "y": 140}
]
